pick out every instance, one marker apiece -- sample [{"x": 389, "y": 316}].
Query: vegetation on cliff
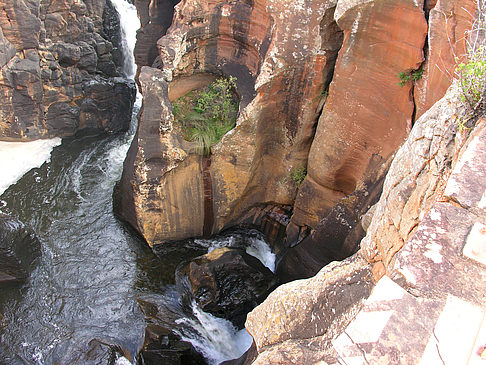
[
  {"x": 208, "y": 114},
  {"x": 472, "y": 72}
]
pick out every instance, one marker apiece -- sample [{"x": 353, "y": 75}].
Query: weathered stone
[
  {"x": 155, "y": 19},
  {"x": 151, "y": 192},
  {"x": 449, "y": 21},
  {"x": 335, "y": 237},
  {"x": 413, "y": 180},
  {"x": 470, "y": 193},
  {"x": 162, "y": 345},
  {"x": 281, "y": 82},
  {"x": 366, "y": 116},
  {"x": 309, "y": 312},
  {"x": 7, "y": 50},
  {"x": 20, "y": 23},
  {"x": 228, "y": 283},
  {"x": 62, "y": 50}
]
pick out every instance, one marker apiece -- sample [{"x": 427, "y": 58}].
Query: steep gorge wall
[
  {"x": 280, "y": 80},
  {"x": 284, "y": 55},
  {"x": 60, "y": 67}
]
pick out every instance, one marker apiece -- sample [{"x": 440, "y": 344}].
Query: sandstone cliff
[
  {"x": 318, "y": 88},
  {"x": 432, "y": 202},
  {"x": 60, "y": 67}
]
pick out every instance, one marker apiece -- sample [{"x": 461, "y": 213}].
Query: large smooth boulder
[{"x": 229, "y": 283}]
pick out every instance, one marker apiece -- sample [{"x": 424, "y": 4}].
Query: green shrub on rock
[{"x": 208, "y": 114}]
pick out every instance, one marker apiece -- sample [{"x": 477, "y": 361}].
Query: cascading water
[
  {"x": 84, "y": 291},
  {"x": 129, "y": 24}
]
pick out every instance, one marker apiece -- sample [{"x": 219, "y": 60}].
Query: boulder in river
[
  {"x": 229, "y": 283},
  {"x": 162, "y": 345}
]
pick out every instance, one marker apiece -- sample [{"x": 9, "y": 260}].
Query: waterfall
[
  {"x": 216, "y": 338},
  {"x": 129, "y": 24}
]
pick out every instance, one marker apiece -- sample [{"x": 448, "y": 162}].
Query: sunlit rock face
[
  {"x": 366, "y": 117},
  {"x": 449, "y": 22},
  {"x": 59, "y": 69},
  {"x": 319, "y": 89},
  {"x": 282, "y": 54}
]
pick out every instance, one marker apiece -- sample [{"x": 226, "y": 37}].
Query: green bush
[
  {"x": 471, "y": 73},
  {"x": 407, "y": 76},
  {"x": 298, "y": 174},
  {"x": 208, "y": 114}
]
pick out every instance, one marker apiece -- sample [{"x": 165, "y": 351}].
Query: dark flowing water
[
  {"x": 84, "y": 285},
  {"x": 93, "y": 269}
]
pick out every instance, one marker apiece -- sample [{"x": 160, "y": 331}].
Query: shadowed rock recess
[{"x": 60, "y": 69}]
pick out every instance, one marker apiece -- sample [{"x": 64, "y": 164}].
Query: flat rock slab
[
  {"x": 432, "y": 308},
  {"x": 394, "y": 327},
  {"x": 467, "y": 183}
]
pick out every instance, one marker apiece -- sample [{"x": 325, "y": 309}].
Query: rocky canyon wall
[
  {"x": 319, "y": 90},
  {"x": 60, "y": 69}
]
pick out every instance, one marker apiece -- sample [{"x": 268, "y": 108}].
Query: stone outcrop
[
  {"x": 419, "y": 170},
  {"x": 291, "y": 117},
  {"x": 366, "y": 117},
  {"x": 60, "y": 67},
  {"x": 449, "y": 23},
  {"x": 281, "y": 82},
  {"x": 228, "y": 283},
  {"x": 431, "y": 209},
  {"x": 155, "y": 18},
  {"x": 161, "y": 344},
  {"x": 296, "y": 323}
]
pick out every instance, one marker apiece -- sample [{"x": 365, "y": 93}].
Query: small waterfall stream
[{"x": 93, "y": 272}]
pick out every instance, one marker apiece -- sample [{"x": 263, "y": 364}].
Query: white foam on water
[
  {"x": 129, "y": 24},
  {"x": 216, "y": 338},
  {"x": 261, "y": 250},
  {"x": 258, "y": 248},
  {"x": 122, "y": 361},
  {"x": 17, "y": 158}
]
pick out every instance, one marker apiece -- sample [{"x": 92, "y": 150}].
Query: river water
[{"x": 93, "y": 269}]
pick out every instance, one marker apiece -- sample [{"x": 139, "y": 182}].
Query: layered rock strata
[
  {"x": 366, "y": 117},
  {"x": 449, "y": 24},
  {"x": 281, "y": 81},
  {"x": 432, "y": 205},
  {"x": 284, "y": 55},
  {"x": 60, "y": 69}
]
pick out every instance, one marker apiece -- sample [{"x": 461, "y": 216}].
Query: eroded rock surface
[
  {"x": 60, "y": 63},
  {"x": 416, "y": 175},
  {"x": 298, "y": 320},
  {"x": 280, "y": 81},
  {"x": 366, "y": 117},
  {"x": 449, "y": 23}
]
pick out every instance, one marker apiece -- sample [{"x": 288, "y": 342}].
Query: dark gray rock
[
  {"x": 229, "y": 283},
  {"x": 59, "y": 67}
]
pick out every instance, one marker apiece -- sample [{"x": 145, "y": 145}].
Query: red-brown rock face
[
  {"x": 282, "y": 54},
  {"x": 58, "y": 69},
  {"x": 366, "y": 117},
  {"x": 449, "y": 21}
]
